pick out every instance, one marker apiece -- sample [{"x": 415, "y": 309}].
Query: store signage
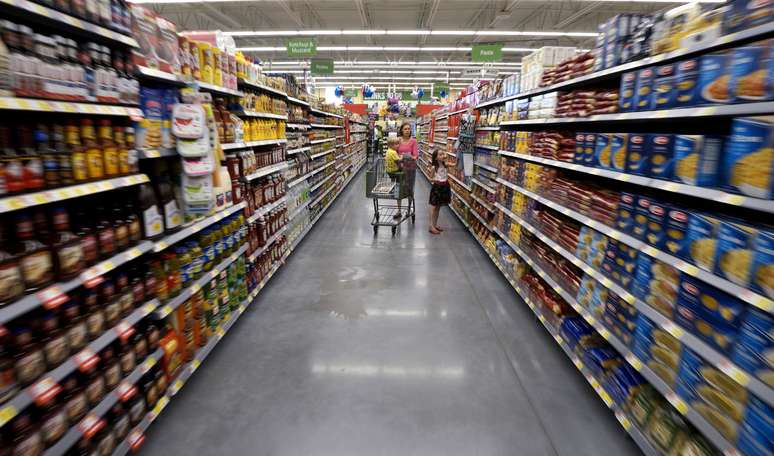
[
  {"x": 440, "y": 87},
  {"x": 404, "y": 95},
  {"x": 487, "y": 52},
  {"x": 320, "y": 67},
  {"x": 301, "y": 47},
  {"x": 351, "y": 93}
]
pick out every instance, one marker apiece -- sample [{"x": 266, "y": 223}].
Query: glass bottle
[
  {"x": 106, "y": 235},
  {"x": 11, "y": 282},
  {"x": 123, "y": 151},
  {"x": 121, "y": 227},
  {"x": 67, "y": 247},
  {"x": 152, "y": 220},
  {"x": 77, "y": 153},
  {"x": 172, "y": 215},
  {"x": 11, "y": 163},
  {"x": 48, "y": 156},
  {"x": 132, "y": 159},
  {"x": 94, "y": 161},
  {"x": 62, "y": 155},
  {"x": 34, "y": 256},
  {"x": 88, "y": 238},
  {"x": 32, "y": 167},
  {"x": 132, "y": 221},
  {"x": 109, "y": 149}
]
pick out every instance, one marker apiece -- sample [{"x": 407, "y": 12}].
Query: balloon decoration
[
  {"x": 420, "y": 93},
  {"x": 368, "y": 91},
  {"x": 339, "y": 91},
  {"x": 415, "y": 93},
  {"x": 348, "y": 100},
  {"x": 442, "y": 94}
]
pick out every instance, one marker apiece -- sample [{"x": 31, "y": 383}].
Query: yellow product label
[
  {"x": 94, "y": 163},
  {"x": 111, "y": 161}
]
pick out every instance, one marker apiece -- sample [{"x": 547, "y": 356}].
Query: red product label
[
  {"x": 124, "y": 330},
  {"x": 86, "y": 359},
  {"x": 52, "y": 297},
  {"x": 135, "y": 439},
  {"x": 92, "y": 280},
  {"x": 125, "y": 391},
  {"x": 44, "y": 390},
  {"x": 90, "y": 425}
]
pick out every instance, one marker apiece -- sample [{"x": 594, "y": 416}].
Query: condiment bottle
[
  {"x": 11, "y": 165},
  {"x": 74, "y": 398},
  {"x": 78, "y": 153},
  {"x": 132, "y": 222},
  {"x": 29, "y": 362},
  {"x": 62, "y": 155},
  {"x": 109, "y": 149},
  {"x": 67, "y": 247},
  {"x": 132, "y": 158},
  {"x": 32, "y": 170},
  {"x": 106, "y": 235},
  {"x": 27, "y": 438},
  {"x": 162, "y": 290},
  {"x": 11, "y": 279},
  {"x": 88, "y": 238},
  {"x": 34, "y": 256},
  {"x": 75, "y": 325},
  {"x": 125, "y": 297},
  {"x": 152, "y": 221},
  {"x": 111, "y": 366},
  {"x": 119, "y": 421},
  {"x": 172, "y": 215},
  {"x": 121, "y": 227},
  {"x": 95, "y": 315},
  {"x": 94, "y": 161},
  {"x": 123, "y": 151},
  {"x": 127, "y": 358},
  {"x": 8, "y": 386},
  {"x": 109, "y": 301}
]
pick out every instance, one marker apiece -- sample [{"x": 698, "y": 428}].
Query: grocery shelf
[
  {"x": 706, "y": 193},
  {"x": 297, "y": 101},
  {"x": 195, "y": 227},
  {"x": 244, "y": 145},
  {"x": 319, "y": 184},
  {"x": 266, "y": 170},
  {"x": 156, "y": 153},
  {"x": 442, "y": 129},
  {"x": 461, "y": 197},
  {"x": 95, "y": 419},
  {"x": 482, "y": 185},
  {"x": 259, "y": 251},
  {"x": 298, "y": 209},
  {"x": 266, "y": 208},
  {"x": 741, "y": 109},
  {"x": 747, "y": 295},
  {"x": 480, "y": 219},
  {"x": 306, "y": 176},
  {"x": 314, "y": 125},
  {"x": 319, "y": 141},
  {"x": 197, "y": 284},
  {"x": 153, "y": 74},
  {"x": 487, "y": 146},
  {"x": 322, "y": 195},
  {"x": 60, "y": 21},
  {"x": 459, "y": 111},
  {"x": 55, "y": 295},
  {"x": 320, "y": 169},
  {"x": 487, "y": 167},
  {"x": 461, "y": 184},
  {"x": 438, "y": 141},
  {"x": 218, "y": 90},
  {"x": 47, "y": 387},
  {"x": 254, "y": 85},
  {"x": 497, "y": 128},
  {"x": 67, "y": 107},
  {"x": 325, "y": 113},
  {"x": 300, "y": 149},
  {"x": 322, "y": 154},
  {"x": 264, "y": 115},
  {"x": 27, "y": 200},
  {"x": 498, "y": 100},
  {"x": 486, "y": 204},
  {"x": 297, "y": 126}
]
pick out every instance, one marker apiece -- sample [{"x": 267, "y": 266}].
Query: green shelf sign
[
  {"x": 487, "y": 53},
  {"x": 321, "y": 67},
  {"x": 301, "y": 47}
]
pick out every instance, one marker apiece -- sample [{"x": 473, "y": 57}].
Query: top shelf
[
  {"x": 744, "y": 36},
  {"x": 298, "y": 101},
  {"x": 254, "y": 85},
  {"x": 40, "y": 14},
  {"x": 325, "y": 113}
]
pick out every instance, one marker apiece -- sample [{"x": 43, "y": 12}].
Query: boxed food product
[
  {"x": 589, "y": 146},
  {"x": 656, "y": 234},
  {"x": 628, "y": 100},
  {"x": 756, "y": 429},
  {"x": 618, "y": 151},
  {"x": 644, "y": 89},
  {"x": 658, "y": 349},
  {"x": 687, "y": 80},
  {"x": 676, "y": 228},
  {"x": 661, "y": 152},
  {"x": 656, "y": 283},
  {"x": 734, "y": 252},
  {"x": 714, "y": 77},
  {"x": 697, "y": 158},
  {"x": 149, "y": 129},
  {"x": 700, "y": 240},
  {"x": 664, "y": 87},
  {"x": 625, "y": 218},
  {"x": 711, "y": 314},
  {"x": 748, "y": 160},
  {"x": 762, "y": 276},
  {"x": 167, "y": 49},
  {"x": 602, "y": 150},
  {"x": 145, "y": 30},
  {"x": 638, "y": 158},
  {"x": 743, "y": 14},
  {"x": 580, "y": 143},
  {"x": 751, "y": 72},
  {"x": 641, "y": 211},
  {"x": 754, "y": 346},
  {"x": 711, "y": 393}
]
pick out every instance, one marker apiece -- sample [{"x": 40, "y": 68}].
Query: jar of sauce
[
  {"x": 95, "y": 387},
  {"x": 95, "y": 315},
  {"x": 119, "y": 421},
  {"x": 75, "y": 325},
  {"x": 29, "y": 361},
  {"x": 111, "y": 367},
  {"x": 53, "y": 422},
  {"x": 127, "y": 358},
  {"x": 54, "y": 341},
  {"x": 27, "y": 438},
  {"x": 125, "y": 295}
]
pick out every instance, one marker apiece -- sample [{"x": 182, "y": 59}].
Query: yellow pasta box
[
  {"x": 748, "y": 161},
  {"x": 733, "y": 256},
  {"x": 762, "y": 276},
  {"x": 602, "y": 152},
  {"x": 696, "y": 159},
  {"x": 637, "y": 159}
]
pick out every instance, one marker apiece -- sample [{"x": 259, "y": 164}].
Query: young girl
[{"x": 440, "y": 194}]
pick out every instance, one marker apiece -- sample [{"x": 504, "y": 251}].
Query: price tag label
[
  {"x": 195, "y": 364},
  {"x": 604, "y": 333},
  {"x": 86, "y": 359},
  {"x": 176, "y": 386},
  {"x": 90, "y": 425},
  {"x": 7, "y": 413},
  {"x": 148, "y": 307},
  {"x": 135, "y": 439},
  {"x": 166, "y": 310},
  {"x": 124, "y": 330},
  {"x": 688, "y": 268},
  {"x": 736, "y": 200},
  {"x": 159, "y": 406},
  {"x": 125, "y": 391},
  {"x": 219, "y": 332},
  {"x": 44, "y": 390},
  {"x": 623, "y": 420},
  {"x": 148, "y": 363},
  {"x": 578, "y": 363},
  {"x": 674, "y": 330},
  {"x": 605, "y": 397},
  {"x": 634, "y": 361},
  {"x": 677, "y": 403},
  {"x": 52, "y": 297},
  {"x": 734, "y": 372},
  {"x": 133, "y": 253}
]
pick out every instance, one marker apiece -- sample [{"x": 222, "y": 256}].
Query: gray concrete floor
[{"x": 363, "y": 345}]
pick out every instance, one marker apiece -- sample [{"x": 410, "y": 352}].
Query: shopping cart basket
[{"x": 399, "y": 186}]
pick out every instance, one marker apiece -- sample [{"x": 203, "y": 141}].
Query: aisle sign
[
  {"x": 440, "y": 87},
  {"x": 487, "y": 52},
  {"x": 351, "y": 93},
  {"x": 301, "y": 47},
  {"x": 321, "y": 67}
]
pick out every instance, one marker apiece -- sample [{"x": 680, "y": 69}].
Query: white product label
[
  {"x": 172, "y": 216},
  {"x": 152, "y": 221}
]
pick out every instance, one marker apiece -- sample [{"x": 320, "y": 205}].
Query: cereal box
[
  {"x": 665, "y": 87},
  {"x": 751, "y": 72},
  {"x": 644, "y": 89},
  {"x": 700, "y": 241},
  {"x": 661, "y": 147},
  {"x": 748, "y": 161},
  {"x": 686, "y": 80},
  {"x": 733, "y": 255},
  {"x": 638, "y": 158},
  {"x": 627, "y": 98},
  {"x": 618, "y": 151},
  {"x": 762, "y": 276},
  {"x": 714, "y": 77},
  {"x": 697, "y": 158}
]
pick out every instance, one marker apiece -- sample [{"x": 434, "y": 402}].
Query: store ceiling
[{"x": 446, "y": 16}]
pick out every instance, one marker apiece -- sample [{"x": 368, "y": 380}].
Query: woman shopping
[{"x": 408, "y": 145}]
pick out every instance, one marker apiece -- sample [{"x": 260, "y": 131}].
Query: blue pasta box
[
  {"x": 743, "y": 14},
  {"x": 715, "y": 332},
  {"x": 644, "y": 89},
  {"x": 756, "y": 430},
  {"x": 748, "y": 159},
  {"x": 762, "y": 277},
  {"x": 642, "y": 277},
  {"x": 638, "y": 159},
  {"x": 715, "y": 304},
  {"x": 625, "y": 217},
  {"x": 751, "y": 72},
  {"x": 641, "y": 211},
  {"x": 755, "y": 344},
  {"x": 676, "y": 228},
  {"x": 656, "y": 283},
  {"x": 665, "y": 87},
  {"x": 661, "y": 147},
  {"x": 687, "y": 79},
  {"x": 627, "y": 96},
  {"x": 655, "y": 234},
  {"x": 589, "y": 146},
  {"x": 652, "y": 343},
  {"x": 697, "y": 158},
  {"x": 714, "y": 78},
  {"x": 618, "y": 151},
  {"x": 734, "y": 252},
  {"x": 602, "y": 150},
  {"x": 700, "y": 241},
  {"x": 580, "y": 148}
]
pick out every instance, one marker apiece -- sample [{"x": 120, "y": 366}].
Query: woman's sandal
[
  {"x": 434, "y": 231},
  {"x": 438, "y": 228}
]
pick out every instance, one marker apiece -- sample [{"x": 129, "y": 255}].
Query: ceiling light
[
  {"x": 381, "y": 48},
  {"x": 412, "y": 32},
  {"x": 434, "y": 64}
]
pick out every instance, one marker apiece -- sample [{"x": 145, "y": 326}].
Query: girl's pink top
[{"x": 409, "y": 147}]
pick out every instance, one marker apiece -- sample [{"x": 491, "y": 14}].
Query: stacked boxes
[{"x": 535, "y": 64}]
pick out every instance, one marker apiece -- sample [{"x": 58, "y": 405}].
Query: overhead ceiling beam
[
  {"x": 578, "y": 14},
  {"x": 221, "y": 18},
  {"x": 365, "y": 19},
  {"x": 427, "y": 24},
  {"x": 295, "y": 17}
]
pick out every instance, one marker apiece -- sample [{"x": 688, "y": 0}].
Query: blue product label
[
  {"x": 625, "y": 218},
  {"x": 580, "y": 143},
  {"x": 618, "y": 151},
  {"x": 676, "y": 229},
  {"x": 748, "y": 73},
  {"x": 627, "y": 98},
  {"x": 602, "y": 151},
  {"x": 763, "y": 264},
  {"x": 701, "y": 323},
  {"x": 644, "y": 90},
  {"x": 687, "y": 80},
  {"x": 656, "y": 235},
  {"x": 717, "y": 306},
  {"x": 713, "y": 79},
  {"x": 641, "y": 217},
  {"x": 696, "y": 159},
  {"x": 665, "y": 87},
  {"x": 748, "y": 162},
  {"x": 638, "y": 159},
  {"x": 700, "y": 242},
  {"x": 661, "y": 148},
  {"x": 642, "y": 277},
  {"x": 733, "y": 256},
  {"x": 589, "y": 146}
]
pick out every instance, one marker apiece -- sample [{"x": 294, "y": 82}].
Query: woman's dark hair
[
  {"x": 434, "y": 159},
  {"x": 400, "y": 130}
]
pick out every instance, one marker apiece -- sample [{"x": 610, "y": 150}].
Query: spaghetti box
[
  {"x": 641, "y": 213},
  {"x": 715, "y": 332},
  {"x": 589, "y": 146},
  {"x": 602, "y": 146},
  {"x": 698, "y": 246},
  {"x": 665, "y": 87},
  {"x": 661, "y": 152},
  {"x": 625, "y": 217},
  {"x": 686, "y": 80},
  {"x": 618, "y": 151},
  {"x": 656, "y": 234},
  {"x": 714, "y": 304},
  {"x": 750, "y": 68},
  {"x": 637, "y": 159},
  {"x": 676, "y": 228},
  {"x": 580, "y": 145},
  {"x": 697, "y": 158},
  {"x": 733, "y": 255},
  {"x": 748, "y": 161},
  {"x": 762, "y": 277},
  {"x": 627, "y": 98},
  {"x": 713, "y": 79},
  {"x": 644, "y": 89}
]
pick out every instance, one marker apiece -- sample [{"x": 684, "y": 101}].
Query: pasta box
[
  {"x": 618, "y": 151},
  {"x": 748, "y": 160},
  {"x": 589, "y": 146},
  {"x": 714, "y": 304},
  {"x": 762, "y": 276},
  {"x": 638, "y": 159},
  {"x": 627, "y": 96},
  {"x": 700, "y": 241},
  {"x": 655, "y": 234},
  {"x": 641, "y": 217},
  {"x": 757, "y": 428},
  {"x": 665, "y": 87},
  {"x": 751, "y": 72},
  {"x": 754, "y": 348},
  {"x": 644, "y": 89},
  {"x": 602, "y": 150},
  {"x": 743, "y": 14},
  {"x": 733, "y": 254},
  {"x": 658, "y": 349},
  {"x": 676, "y": 228},
  {"x": 686, "y": 81},
  {"x": 580, "y": 147},
  {"x": 714, "y": 76},
  {"x": 697, "y": 158},
  {"x": 661, "y": 148},
  {"x": 625, "y": 218}
]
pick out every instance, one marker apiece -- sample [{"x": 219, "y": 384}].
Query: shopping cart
[{"x": 382, "y": 186}]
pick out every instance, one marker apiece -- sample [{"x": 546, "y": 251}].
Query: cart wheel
[
  {"x": 413, "y": 218},
  {"x": 394, "y": 229},
  {"x": 376, "y": 229},
  {"x": 377, "y": 217}
]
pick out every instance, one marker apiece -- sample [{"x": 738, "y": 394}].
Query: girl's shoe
[
  {"x": 438, "y": 228},
  {"x": 434, "y": 231}
]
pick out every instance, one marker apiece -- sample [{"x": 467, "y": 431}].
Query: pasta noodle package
[
  {"x": 757, "y": 428},
  {"x": 714, "y": 305},
  {"x": 665, "y": 87},
  {"x": 676, "y": 229},
  {"x": 657, "y": 348},
  {"x": 754, "y": 348},
  {"x": 643, "y": 97},
  {"x": 697, "y": 158},
  {"x": 748, "y": 159},
  {"x": 589, "y": 146},
  {"x": 714, "y": 77},
  {"x": 656, "y": 283},
  {"x": 743, "y": 14},
  {"x": 751, "y": 72},
  {"x": 578, "y": 156},
  {"x": 661, "y": 147},
  {"x": 641, "y": 217},
  {"x": 602, "y": 151},
  {"x": 762, "y": 271},
  {"x": 686, "y": 80},
  {"x": 638, "y": 158},
  {"x": 734, "y": 252},
  {"x": 625, "y": 217},
  {"x": 698, "y": 246},
  {"x": 618, "y": 151},
  {"x": 627, "y": 98},
  {"x": 656, "y": 234}
]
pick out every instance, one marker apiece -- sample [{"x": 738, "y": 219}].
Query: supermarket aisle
[{"x": 381, "y": 346}]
